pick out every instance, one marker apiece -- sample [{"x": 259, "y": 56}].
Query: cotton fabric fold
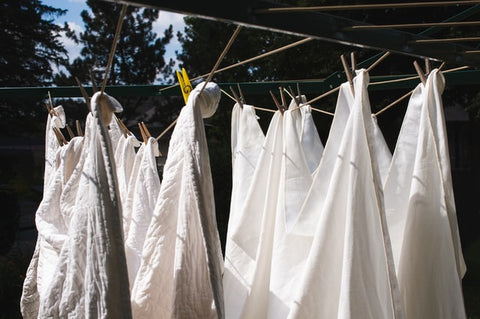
[
  {"x": 91, "y": 277},
  {"x": 181, "y": 267},
  {"x": 421, "y": 210},
  {"x": 349, "y": 272}
]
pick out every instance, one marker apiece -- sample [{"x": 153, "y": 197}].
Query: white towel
[
  {"x": 91, "y": 278},
  {"x": 52, "y": 231},
  {"x": 421, "y": 210},
  {"x": 127, "y": 204},
  {"x": 145, "y": 194},
  {"x": 124, "y": 163},
  {"x": 349, "y": 273},
  {"x": 247, "y": 141},
  {"x": 180, "y": 272}
]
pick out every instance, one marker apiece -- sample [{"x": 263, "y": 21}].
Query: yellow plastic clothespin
[{"x": 184, "y": 82}]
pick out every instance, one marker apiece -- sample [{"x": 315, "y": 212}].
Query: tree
[
  {"x": 138, "y": 57},
  {"x": 29, "y": 49},
  {"x": 30, "y": 46}
]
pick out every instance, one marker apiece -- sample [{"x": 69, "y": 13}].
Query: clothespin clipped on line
[
  {"x": 241, "y": 94},
  {"x": 347, "y": 73},
  {"x": 279, "y": 107},
  {"x": 60, "y": 138},
  {"x": 420, "y": 72},
  {"x": 184, "y": 83},
  {"x": 146, "y": 134},
  {"x": 51, "y": 104},
  {"x": 296, "y": 99},
  {"x": 124, "y": 129},
  {"x": 79, "y": 128},
  {"x": 70, "y": 132},
  {"x": 239, "y": 100},
  {"x": 142, "y": 132}
]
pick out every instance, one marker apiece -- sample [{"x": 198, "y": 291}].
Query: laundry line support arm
[{"x": 318, "y": 25}]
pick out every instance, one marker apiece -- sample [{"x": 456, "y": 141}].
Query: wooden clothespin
[
  {"x": 419, "y": 70},
  {"x": 428, "y": 67},
  {"x": 144, "y": 136},
  {"x": 52, "y": 109},
  {"x": 353, "y": 62},
  {"x": 296, "y": 99},
  {"x": 185, "y": 85},
  {"x": 124, "y": 129},
  {"x": 84, "y": 94},
  {"x": 282, "y": 98},
  {"x": 242, "y": 97},
  {"x": 235, "y": 95},
  {"x": 347, "y": 72},
  {"x": 145, "y": 129},
  {"x": 61, "y": 139},
  {"x": 298, "y": 91},
  {"x": 70, "y": 132},
  {"x": 276, "y": 102},
  {"x": 79, "y": 128},
  {"x": 49, "y": 111}
]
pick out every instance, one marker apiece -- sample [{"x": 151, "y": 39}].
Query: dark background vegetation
[{"x": 31, "y": 45}]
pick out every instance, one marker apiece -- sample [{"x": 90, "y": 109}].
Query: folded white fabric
[
  {"x": 91, "y": 279},
  {"x": 145, "y": 194},
  {"x": 181, "y": 267},
  {"x": 247, "y": 141},
  {"x": 421, "y": 210},
  {"x": 349, "y": 272}
]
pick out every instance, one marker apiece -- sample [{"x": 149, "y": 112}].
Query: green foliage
[
  {"x": 29, "y": 49},
  {"x": 139, "y": 54},
  {"x": 30, "y": 45}
]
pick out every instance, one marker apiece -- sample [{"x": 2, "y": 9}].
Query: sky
[{"x": 72, "y": 17}]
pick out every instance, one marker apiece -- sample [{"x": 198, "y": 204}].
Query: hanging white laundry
[
  {"x": 91, "y": 279},
  {"x": 313, "y": 204},
  {"x": 127, "y": 204},
  {"x": 290, "y": 251},
  {"x": 124, "y": 159},
  {"x": 247, "y": 141},
  {"x": 349, "y": 271},
  {"x": 52, "y": 231},
  {"x": 147, "y": 187},
  {"x": 254, "y": 231},
  {"x": 124, "y": 162},
  {"x": 56, "y": 120},
  {"x": 115, "y": 132},
  {"x": 180, "y": 272},
  {"x": 421, "y": 210},
  {"x": 312, "y": 145},
  {"x": 380, "y": 151}
]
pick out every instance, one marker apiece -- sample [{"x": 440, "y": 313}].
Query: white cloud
[
  {"x": 165, "y": 19},
  {"x": 72, "y": 48}
]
